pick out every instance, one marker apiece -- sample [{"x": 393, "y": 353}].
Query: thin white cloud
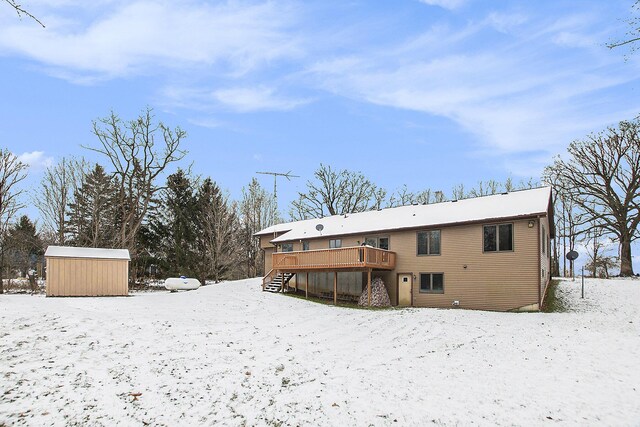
[
  {"x": 206, "y": 122},
  {"x": 140, "y": 37},
  {"x": 236, "y": 99},
  {"x": 256, "y": 99},
  {"x": 36, "y": 160},
  {"x": 512, "y": 94},
  {"x": 446, "y": 4}
]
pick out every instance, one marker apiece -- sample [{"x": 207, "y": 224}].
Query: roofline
[{"x": 420, "y": 227}]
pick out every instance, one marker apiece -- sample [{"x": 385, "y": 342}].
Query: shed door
[{"x": 404, "y": 289}]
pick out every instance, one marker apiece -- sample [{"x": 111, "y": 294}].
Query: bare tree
[
  {"x": 131, "y": 149},
  {"x": 485, "y": 188},
  {"x": 602, "y": 177},
  {"x": 458, "y": 193},
  {"x": 633, "y": 34},
  {"x": 21, "y": 11},
  {"x": 56, "y": 191},
  {"x": 401, "y": 197},
  {"x": 12, "y": 172},
  {"x": 256, "y": 212},
  {"x": 404, "y": 197},
  {"x": 336, "y": 193},
  {"x": 217, "y": 223}
]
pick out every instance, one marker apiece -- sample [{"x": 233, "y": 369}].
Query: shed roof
[
  {"x": 506, "y": 205},
  {"x": 76, "y": 252}
]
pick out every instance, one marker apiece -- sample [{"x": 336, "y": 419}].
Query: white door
[{"x": 404, "y": 289}]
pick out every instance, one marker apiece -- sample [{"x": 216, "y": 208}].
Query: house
[
  {"x": 76, "y": 271},
  {"x": 489, "y": 253}
]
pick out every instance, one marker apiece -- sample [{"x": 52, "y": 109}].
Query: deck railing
[{"x": 329, "y": 259}]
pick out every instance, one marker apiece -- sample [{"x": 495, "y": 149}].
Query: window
[
  {"x": 305, "y": 246},
  {"x": 544, "y": 240},
  {"x": 432, "y": 283},
  {"x": 428, "y": 242},
  {"x": 377, "y": 242},
  {"x": 335, "y": 243},
  {"x": 383, "y": 243},
  {"x": 286, "y": 247},
  {"x": 498, "y": 238}
]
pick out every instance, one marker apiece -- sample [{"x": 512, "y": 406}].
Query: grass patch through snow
[{"x": 553, "y": 301}]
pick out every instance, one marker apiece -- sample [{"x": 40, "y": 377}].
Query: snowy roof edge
[
  {"x": 530, "y": 202},
  {"x": 82, "y": 252}
]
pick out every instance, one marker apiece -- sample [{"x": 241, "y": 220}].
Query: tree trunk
[
  {"x": 2, "y": 272},
  {"x": 626, "y": 265}
]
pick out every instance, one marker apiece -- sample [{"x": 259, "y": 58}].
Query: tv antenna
[
  {"x": 275, "y": 188},
  {"x": 275, "y": 180}
]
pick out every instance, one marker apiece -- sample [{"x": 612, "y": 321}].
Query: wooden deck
[{"x": 353, "y": 258}]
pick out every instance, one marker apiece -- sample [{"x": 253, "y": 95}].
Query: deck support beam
[
  {"x": 306, "y": 288},
  {"x": 335, "y": 288},
  {"x": 369, "y": 286}
]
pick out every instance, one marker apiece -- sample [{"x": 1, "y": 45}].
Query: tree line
[{"x": 187, "y": 225}]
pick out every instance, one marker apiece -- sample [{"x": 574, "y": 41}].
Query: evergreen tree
[
  {"x": 25, "y": 245},
  {"x": 93, "y": 216},
  {"x": 173, "y": 227}
]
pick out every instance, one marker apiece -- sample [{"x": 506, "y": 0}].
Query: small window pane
[
  {"x": 490, "y": 238},
  {"x": 335, "y": 243},
  {"x": 383, "y": 243},
  {"x": 434, "y": 242},
  {"x": 287, "y": 247},
  {"x": 422, "y": 243},
  {"x": 506, "y": 237},
  {"x": 305, "y": 246},
  {"x": 437, "y": 282},
  {"x": 425, "y": 282},
  {"x": 371, "y": 241}
]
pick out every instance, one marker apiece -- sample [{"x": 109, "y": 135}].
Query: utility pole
[{"x": 275, "y": 187}]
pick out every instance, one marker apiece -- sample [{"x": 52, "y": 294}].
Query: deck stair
[{"x": 278, "y": 282}]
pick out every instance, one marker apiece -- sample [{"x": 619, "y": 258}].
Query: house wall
[
  {"x": 491, "y": 281},
  {"x": 87, "y": 277}
]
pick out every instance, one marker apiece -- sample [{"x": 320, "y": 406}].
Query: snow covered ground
[{"x": 231, "y": 354}]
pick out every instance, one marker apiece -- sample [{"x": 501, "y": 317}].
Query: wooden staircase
[{"x": 277, "y": 282}]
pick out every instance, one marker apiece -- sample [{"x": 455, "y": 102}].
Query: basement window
[{"x": 432, "y": 283}]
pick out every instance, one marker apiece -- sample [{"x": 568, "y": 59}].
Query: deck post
[
  {"x": 369, "y": 286},
  {"x": 306, "y": 288},
  {"x": 296, "y": 283},
  {"x": 335, "y": 288}
]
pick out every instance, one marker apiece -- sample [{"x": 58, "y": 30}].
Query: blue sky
[{"x": 427, "y": 93}]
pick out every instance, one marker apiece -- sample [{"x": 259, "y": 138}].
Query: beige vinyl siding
[
  {"x": 268, "y": 260},
  {"x": 491, "y": 281},
  {"x": 87, "y": 277}
]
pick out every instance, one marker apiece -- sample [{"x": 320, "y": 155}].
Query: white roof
[
  {"x": 73, "y": 252},
  {"x": 507, "y": 205}
]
